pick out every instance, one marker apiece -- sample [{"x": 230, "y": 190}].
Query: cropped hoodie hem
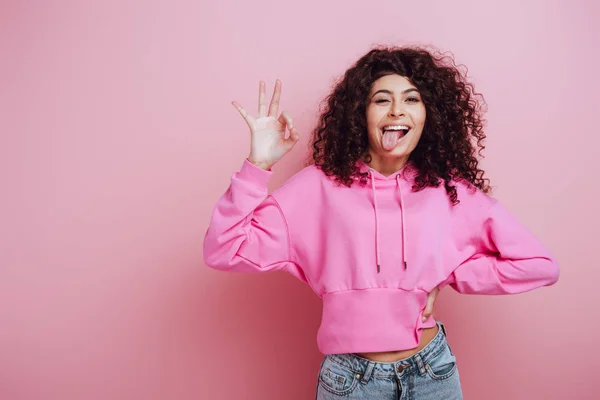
[{"x": 372, "y": 320}]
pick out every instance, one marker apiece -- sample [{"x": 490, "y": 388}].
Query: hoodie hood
[{"x": 408, "y": 173}]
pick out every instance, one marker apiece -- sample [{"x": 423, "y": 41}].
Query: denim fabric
[{"x": 430, "y": 374}]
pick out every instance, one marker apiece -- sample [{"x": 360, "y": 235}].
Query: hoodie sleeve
[
  {"x": 510, "y": 259},
  {"x": 247, "y": 230}
]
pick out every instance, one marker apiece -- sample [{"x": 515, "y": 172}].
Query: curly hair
[{"x": 452, "y": 135}]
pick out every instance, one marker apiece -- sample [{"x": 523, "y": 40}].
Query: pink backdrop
[{"x": 117, "y": 137}]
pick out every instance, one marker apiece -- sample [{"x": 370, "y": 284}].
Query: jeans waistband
[{"x": 416, "y": 362}]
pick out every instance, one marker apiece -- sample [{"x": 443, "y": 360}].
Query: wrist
[{"x": 262, "y": 165}]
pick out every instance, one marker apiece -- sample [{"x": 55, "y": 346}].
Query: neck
[{"x": 387, "y": 165}]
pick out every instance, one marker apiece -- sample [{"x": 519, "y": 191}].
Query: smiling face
[{"x": 395, "y": 121}]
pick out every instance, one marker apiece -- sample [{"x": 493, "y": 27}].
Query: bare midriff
[{"x": 391, "y": 356}]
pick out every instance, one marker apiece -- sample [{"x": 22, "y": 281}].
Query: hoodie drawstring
[
  {"x": 377, "y": 252},
  {"x": 404, "y": 263},
  {"x": 376, "y": 222}
]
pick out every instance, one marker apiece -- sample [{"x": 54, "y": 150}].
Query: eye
[
  {"x": 413, "y": 99},
  {"x": 379, "y": 101}
]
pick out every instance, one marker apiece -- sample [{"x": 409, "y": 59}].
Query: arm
[
  {"x": 247, "y": 231},
  {"x": 510, "y": 259}
]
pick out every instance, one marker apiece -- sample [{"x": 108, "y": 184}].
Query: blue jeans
[{"x": 429, "y": 374}]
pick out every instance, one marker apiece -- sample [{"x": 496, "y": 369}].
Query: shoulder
[
  {"x": 472, "y": 200},
  {"x": 301, "y": 184},
  {"x": 306, "y": 176},
  {"x": 467, "y": 193}
]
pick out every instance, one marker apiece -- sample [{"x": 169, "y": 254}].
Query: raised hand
[{"x": 271, "y": 137}]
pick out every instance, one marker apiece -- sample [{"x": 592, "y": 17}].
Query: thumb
[{"x": 430, "y": 302}]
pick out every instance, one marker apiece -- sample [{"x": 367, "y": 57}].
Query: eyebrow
[{"x": 389, "y": 92}]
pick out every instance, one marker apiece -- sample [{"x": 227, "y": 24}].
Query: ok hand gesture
[{"x": 271, "y": 137}]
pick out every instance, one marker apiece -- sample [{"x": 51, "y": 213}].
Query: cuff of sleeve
[
  {"x": 251, "y": 173},
  {"x": 450, "y": 279}
]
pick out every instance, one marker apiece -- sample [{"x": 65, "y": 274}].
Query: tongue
[{"x": 390, "y": 140}]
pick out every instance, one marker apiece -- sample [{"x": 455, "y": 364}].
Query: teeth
[{"x": 396, "y": 128}]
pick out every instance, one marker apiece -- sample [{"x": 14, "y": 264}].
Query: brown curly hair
[{"x": 453, "y": 132}]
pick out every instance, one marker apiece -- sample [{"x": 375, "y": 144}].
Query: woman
[{"x": 392, "y": 208}]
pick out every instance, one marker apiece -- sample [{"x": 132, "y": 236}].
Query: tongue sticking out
[{"x": 390, "y": 139}]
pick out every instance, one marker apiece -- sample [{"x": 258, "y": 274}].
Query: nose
[{"x": 395, "y": 110}]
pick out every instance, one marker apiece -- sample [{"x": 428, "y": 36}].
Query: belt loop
[
  {"x": 443, "y": 329},
  {"x": 420, "y": 364},
  {"x": 368, "y": 372}
]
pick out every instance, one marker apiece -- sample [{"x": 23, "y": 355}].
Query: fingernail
[{"x": 423, "y": 318}]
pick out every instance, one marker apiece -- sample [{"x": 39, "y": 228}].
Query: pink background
[{"x": 117, "y": 137}]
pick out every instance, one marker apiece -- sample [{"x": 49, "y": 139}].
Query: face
[{"x": 395, "y": 119}]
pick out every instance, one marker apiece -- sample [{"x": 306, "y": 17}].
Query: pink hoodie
[{"x": 336, "y": 239}]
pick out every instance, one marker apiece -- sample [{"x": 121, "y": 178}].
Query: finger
[
  {"x": 283, "y": 122},
  {"x": 294, "y": 134},
  {"x": 274, "y": 106},
  {"x": 249, "y": 120},
  {"x": 429, "y": 308},
  {"x": 262, "y": 102},
  {"x": 286, "y": 120}
]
